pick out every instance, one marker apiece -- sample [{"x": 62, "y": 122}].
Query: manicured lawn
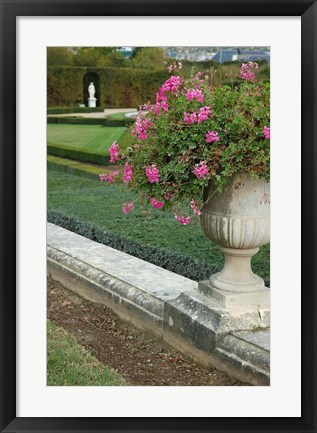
[
  {"x": 91, "y": 138},
  {"x": 99, "y": 204},
  {"x": 69, "y": 364}
]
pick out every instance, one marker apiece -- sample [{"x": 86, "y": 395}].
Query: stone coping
[{"x": 163, "y": 302}]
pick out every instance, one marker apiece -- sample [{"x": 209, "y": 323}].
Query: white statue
[{"x": 91, "y": 90}]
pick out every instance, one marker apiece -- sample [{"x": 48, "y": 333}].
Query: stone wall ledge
[{"x": 163, "y": 303}]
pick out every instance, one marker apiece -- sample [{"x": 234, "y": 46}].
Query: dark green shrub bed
[
  {"x": 174, "y": 262},
  {"x": 75, "y": 121},
  {"x": 88, "y": 121},
  {"x": 77, "y": 155},
  {"x": 69, "y": 110}
]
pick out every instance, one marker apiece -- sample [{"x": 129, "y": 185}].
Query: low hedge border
[
  {"x": 75, "y": 121},
  {"x": 64, "y": 168},
  {"x": 171, "y": 261},
  {"x": 69, "y": 110},
  {"x": 77, "y": 155},
  {"x": 119, "y": 122},
  {"x": 88, "y": 121}
]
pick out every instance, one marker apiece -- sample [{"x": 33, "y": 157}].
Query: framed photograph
[{"x": 287, "y": 30}]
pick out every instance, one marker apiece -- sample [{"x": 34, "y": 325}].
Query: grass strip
[
  {"x": 69, "y": 364},
  {"x": 73, "y": 167},
  {"x": 86, "y": 138}
]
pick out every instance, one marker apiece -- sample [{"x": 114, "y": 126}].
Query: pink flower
[
  {"x": 127, "y": 208},
  {"x": 161, "y": 103},
  {"x": 195, "y": 94},
  {"x": 194, "y": 207},
  {"x": 190, "y": 118},
  {"x": 203, "y": 114},
  {"x": 127, "y": 173},
  {"x": 201, "y": 170},
  {"x": 114, "y": 152},
  {"x": 109, "y": 177},
  {"x": 211, "y": 136},
  {"x": 152, "y": 173},
  {"x": 246, "y": 73},
  {"x": 170, "y": 68},
  {"x": 102, "y": 177},
  {"x": 172, "y": 84},
  {"x": 141, "y": 126},
  {"x": 266, "y": 131},
  {"x": 182, "y": 219},
  {"x": 112, "y": 175},
  {"x": 156, "y": 204}
]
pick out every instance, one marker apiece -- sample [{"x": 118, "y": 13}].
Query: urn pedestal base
[
  {"x": 248, "y": 301},
  {"x": 236, "y": 285}
]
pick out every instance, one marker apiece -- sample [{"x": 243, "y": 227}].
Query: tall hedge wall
[{"x": 119, "y": 87}]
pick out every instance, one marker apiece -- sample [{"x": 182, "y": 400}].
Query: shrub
[
  {"x": 77, "y": 155},
  {"x": 173, "y": 262}
]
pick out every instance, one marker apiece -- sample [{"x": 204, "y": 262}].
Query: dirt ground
[{"x": 139, "y": 357}]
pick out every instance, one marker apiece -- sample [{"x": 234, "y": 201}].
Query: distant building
[
  {"x": 126, "y": 51},
  {"x": 243, "y": 55}
]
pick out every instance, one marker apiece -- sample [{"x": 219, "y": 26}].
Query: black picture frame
[{"x": 10, "y": 9}]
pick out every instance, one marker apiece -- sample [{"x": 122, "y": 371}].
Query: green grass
[
  {"x": 90, "y": 138},
  {"x": 75, "y": 164},
  {"x": 119, "y": 116},
  {"x": 98, "y": 204},
  {"x": 73, "y": 167},
  {"x": 126, "y": 139},
  {"x": 69, "y": 364}
]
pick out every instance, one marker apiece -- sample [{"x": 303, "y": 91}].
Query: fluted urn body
[{"x": 238, "y": 219}]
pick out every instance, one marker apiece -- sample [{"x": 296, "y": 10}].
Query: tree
[
  {"x": 92, "y": 56},
  {"x": 148, "y": 58},
  {"x": 59, "y": 56}
]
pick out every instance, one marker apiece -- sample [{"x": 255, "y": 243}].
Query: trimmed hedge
[
  {"x": 71, "y": 170},
  {"x": 173, "y": 262},
  {"x": 76, "y": 121},
  {"x": 70, "y": 110},
  {"x": 117, "y": 87},
  {"x": 89, "y": 121},
  {"x": 119, "y": 122},
  {"x": 72, "y": 167},
  {"x": 77, "y": 155}
]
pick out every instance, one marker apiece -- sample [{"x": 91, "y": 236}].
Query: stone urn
[{"x": 237, "y": 219}]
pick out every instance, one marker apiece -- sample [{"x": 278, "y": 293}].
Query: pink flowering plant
[{"x": 194, "y": 134}]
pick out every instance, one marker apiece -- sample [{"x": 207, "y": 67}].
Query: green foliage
[
  {"x": 119, "y": 87},
  {"x": 86, "y": 207},
  {"x": 77, "y": 155},
  {"x": 69, "y": 364},
  {"x": 77, "y": 120},
  {"x": 65, "y": 86},
  {"x": 148, "y": 58},
  {"x": 172, "y": 261},
  {"x": 91, "y": 56},
  {"x": 72, "y": 167},
  {"x": 59, "y": 56},
  {"x": 71, "y": 110}
]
